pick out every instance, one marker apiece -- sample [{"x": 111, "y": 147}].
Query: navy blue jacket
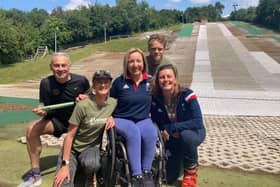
[
  {"x": 188, "y": 113},
  {"x": 134, "y": 102}
]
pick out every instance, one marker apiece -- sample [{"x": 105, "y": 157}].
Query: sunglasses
[{"x": 102, "y": 74}]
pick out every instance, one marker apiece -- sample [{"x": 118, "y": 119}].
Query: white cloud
[
  {"x": 200, "y": 1},
  {"x": 175, "y": 1},
  {"x": 246, "y": 3},
  {"x": 73, "y": 4}
]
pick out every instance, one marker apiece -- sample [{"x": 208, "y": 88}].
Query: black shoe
[
  {"x": 137, "y": 181},
  {"x": 148, "y": 179}
]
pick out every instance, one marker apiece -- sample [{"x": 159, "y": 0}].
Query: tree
[
  {"x": 10, "y": 50},
  {"x": 55, "y": 25},
  {"x": 25, "y": 31},
  {"x": 219, "y": 7},
  {"x": 37, "y": 17},
  {"x": 78, "y": 21},
  {"x": 268, "y": 13}
]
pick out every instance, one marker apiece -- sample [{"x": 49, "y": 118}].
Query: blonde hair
[
  {"x": 125, "y": 60},
  {"x": 156, "y": 90}
]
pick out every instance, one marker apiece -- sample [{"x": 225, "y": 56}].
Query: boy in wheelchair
[{"x": 87, "y": 123}]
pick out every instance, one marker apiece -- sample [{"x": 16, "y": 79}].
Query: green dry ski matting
[
  {"x": 17, "y": 116},
  {"x": 186, "y": 31},
  {"x": 276, "y": 38},
  {"x": 248, "y": 28},
  {"x": 16, "y": 100}
]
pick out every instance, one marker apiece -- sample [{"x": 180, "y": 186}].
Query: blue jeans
[
  {"x": 141, "y": 140},
  {"x": 182, "y": 152}
]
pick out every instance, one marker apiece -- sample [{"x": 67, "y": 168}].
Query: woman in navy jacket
[{"x": 178, "y": 115}]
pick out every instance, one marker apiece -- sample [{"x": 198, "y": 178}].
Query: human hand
[
  {"x": 165, "y": 135},
  {"x": 176, "y": 135},
  {"x": 81, "y": 97},
  {"x": 39, "y": 112},
  {"x": 110, "y": 123},
  {"x": 62, "y": 175}
]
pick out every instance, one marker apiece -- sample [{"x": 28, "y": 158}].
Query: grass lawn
[{"x": 14, "y": 162}]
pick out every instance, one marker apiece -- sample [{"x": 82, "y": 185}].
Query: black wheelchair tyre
[{"x": 108, "y": 159}]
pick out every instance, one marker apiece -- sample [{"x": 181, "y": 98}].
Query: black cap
[{"x": 101, "y": 74}]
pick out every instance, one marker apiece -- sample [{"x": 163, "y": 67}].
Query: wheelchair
[{"x": 115, "y": 170}]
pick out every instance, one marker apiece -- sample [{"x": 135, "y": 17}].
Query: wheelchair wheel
[
  {"x": 108, "y": 157},
  {"x": 122, "y": 168},
  {"x": 159, "y": 163}
]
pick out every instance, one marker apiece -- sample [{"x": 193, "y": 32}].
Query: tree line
[
  {"x": 267, "y": 14},
  {"x": 22, "y": 32}
]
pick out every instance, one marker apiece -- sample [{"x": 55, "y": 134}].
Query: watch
[{"x": 65, "y": 162}]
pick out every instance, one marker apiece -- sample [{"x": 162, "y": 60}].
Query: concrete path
[{"x": 229, "y": 80}]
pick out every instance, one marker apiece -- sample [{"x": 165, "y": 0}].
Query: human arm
[
  {"x": 110, "y": 123},
  {"x": 189, "y": 115},
  {"x": 44, "y": 97},
  {"x": 39, "y": 111},
  {"x": 81, "y": 97},
  {"x": 86, "y": 92},
  {"x": 64, "y": 172}
]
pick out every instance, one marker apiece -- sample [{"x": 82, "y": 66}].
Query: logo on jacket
[
  {"x": 125, "y": 86},
  {"x": 148, "y": 87}
]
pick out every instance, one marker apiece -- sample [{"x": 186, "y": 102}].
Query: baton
[{"x": 56, "y": 106}]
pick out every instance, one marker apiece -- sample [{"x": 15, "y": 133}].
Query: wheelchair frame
[{"x": 115, "y": 169}]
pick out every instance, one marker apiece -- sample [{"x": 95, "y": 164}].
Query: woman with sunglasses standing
[{"x": 132, "y": 116}]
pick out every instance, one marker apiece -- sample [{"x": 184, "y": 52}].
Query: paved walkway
[{"x": 229, "y": 80}]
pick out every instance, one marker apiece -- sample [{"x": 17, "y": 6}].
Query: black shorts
[{"x": 60, "y": 127}]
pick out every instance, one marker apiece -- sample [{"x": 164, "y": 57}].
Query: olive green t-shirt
[
  {"x": 153, "y": 67},
  {"x": 91, "y": 120}
]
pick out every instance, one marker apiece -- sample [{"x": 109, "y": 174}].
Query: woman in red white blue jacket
[{"x": 178, "y": 115}]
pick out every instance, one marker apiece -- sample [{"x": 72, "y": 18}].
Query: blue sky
[{"x": 27, "y": 5}]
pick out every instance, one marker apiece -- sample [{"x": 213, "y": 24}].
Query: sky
[{"x": 49, "y": 5}]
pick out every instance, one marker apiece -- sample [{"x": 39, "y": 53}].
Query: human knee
[
  {"x": 149, "y": 136},
  {"x": 189, "y": 137},
  {"x": 91, "y": 168},
  {"x": 90, "y": 160},
  {"x": 31, "y": 131},
  {"x": 149, "y": 131},
  {"x": 132, "y": 133}
]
